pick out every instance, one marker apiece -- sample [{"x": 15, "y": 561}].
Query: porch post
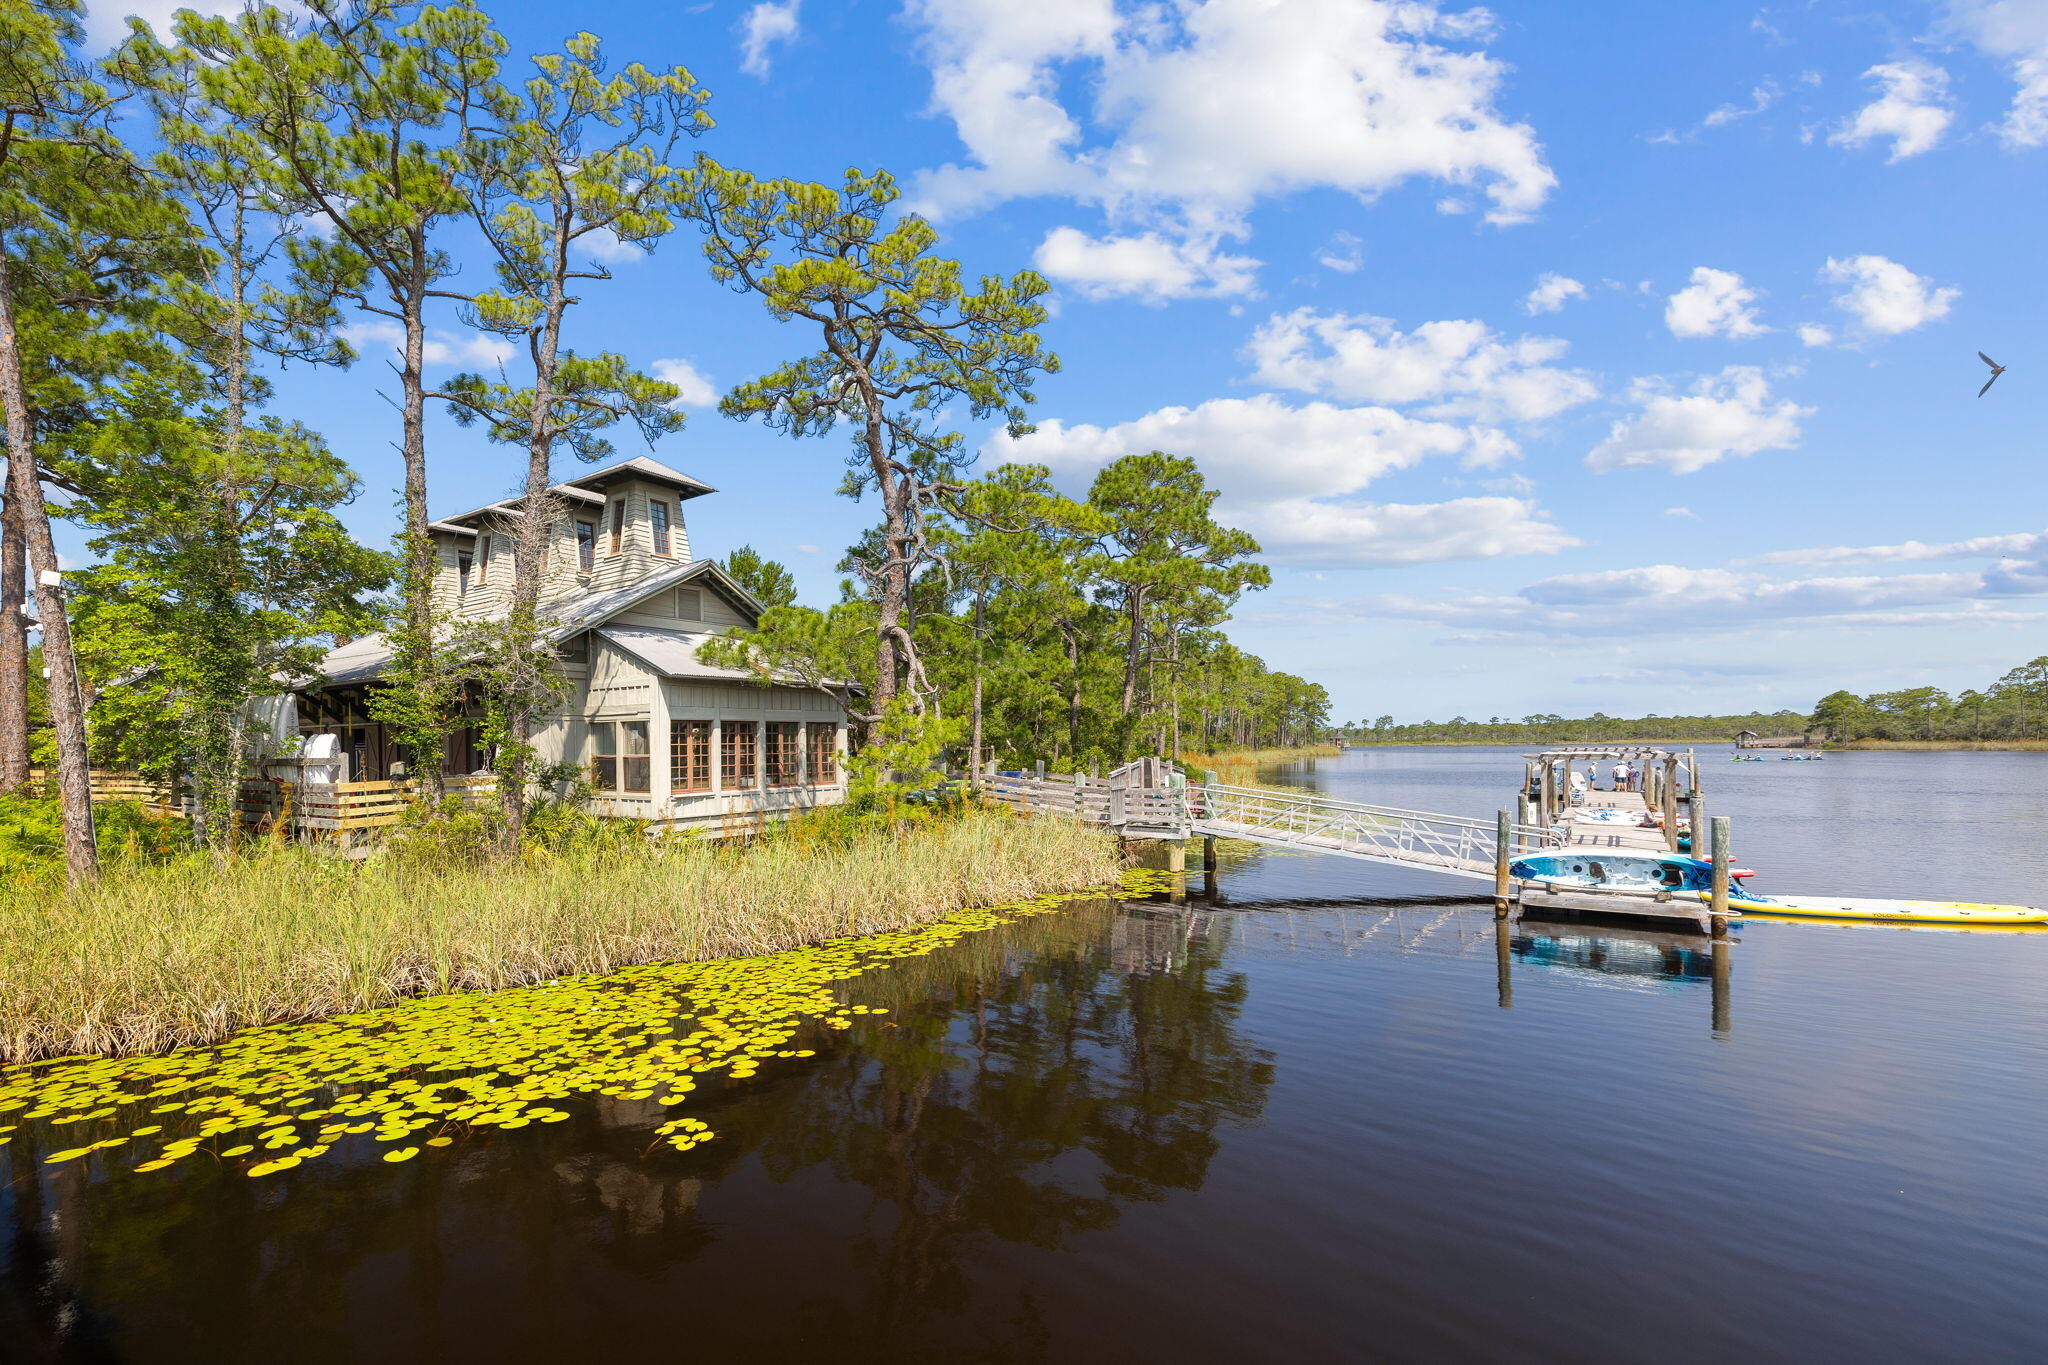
[{"x": 717, "y": 755}]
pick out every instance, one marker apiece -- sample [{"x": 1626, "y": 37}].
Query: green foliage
[
  {"x": 878, "y": 813},
  {"x": 32, "y": 834},
  {"x": 222, "y": 568},
  {"x": 2013, "y": 708},
  {"x": 901, "y": 339},
  {"x": 769, "y": 581},
  {"x": 1598, "y": 728}
]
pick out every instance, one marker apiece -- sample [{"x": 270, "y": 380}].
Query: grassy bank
[
  {"x": 1233, "y": 765},
  {"x": 1947, "y": 746},
  {"x": 154, "y": 957}
]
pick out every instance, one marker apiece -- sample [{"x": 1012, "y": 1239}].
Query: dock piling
[
  {"x": 1717, "y": 905},
  {"x": 1503, "y": 852}
]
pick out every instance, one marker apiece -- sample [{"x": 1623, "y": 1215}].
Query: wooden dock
[{"x": 1148, "y": 799}]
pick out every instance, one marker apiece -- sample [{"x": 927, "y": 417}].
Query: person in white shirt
[{"x": 1621, "y": 775}]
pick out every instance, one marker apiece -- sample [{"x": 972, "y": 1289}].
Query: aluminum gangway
[{"x": 1457, "y": 845}]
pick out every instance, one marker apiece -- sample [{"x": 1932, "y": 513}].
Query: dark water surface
[{"x": 1334, "y": 1116}]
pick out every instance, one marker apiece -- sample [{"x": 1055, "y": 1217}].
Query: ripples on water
[{"x": 1339, "y": 1114}]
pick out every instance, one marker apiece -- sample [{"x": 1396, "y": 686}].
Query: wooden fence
[
  {"x": 313, "y": 807},
  {"x": 1091, "y": 799}
]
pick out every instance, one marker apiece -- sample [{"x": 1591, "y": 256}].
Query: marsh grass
[
  {"x": 1237, "y": 767},
  {"x": 1947, "y": 746},
  {"x": 155, "y": 957}
]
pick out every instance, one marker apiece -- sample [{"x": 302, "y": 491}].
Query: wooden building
[{"x": 665, "y": 737}]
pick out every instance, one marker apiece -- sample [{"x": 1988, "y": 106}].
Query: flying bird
[{"x": 1996, "y": 370}]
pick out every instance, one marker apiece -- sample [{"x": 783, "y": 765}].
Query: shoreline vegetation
[
  {"x": 154, "y": 957},
  {"x": 1946, "y": 746},
  {"x": 1231, "y": 764}
]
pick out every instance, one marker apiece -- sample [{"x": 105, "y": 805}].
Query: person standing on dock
[{"x": 1622, "y": 774}]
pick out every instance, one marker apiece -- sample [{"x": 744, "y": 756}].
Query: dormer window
[
  {"x": 483, "y": 561},
  {"x": 618, "y": 525},
  {"x": 462, "y": 564},
  {"x": 586, "y": 545},
  {"x": 689, "y": 604},
  {"x": 657, "y": 523}
]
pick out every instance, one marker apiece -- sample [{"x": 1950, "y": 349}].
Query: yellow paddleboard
[{"x": 1905, "y": 912}]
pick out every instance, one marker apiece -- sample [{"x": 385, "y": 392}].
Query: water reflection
[
  {"x": 1027, "y": 1086},
  {"x": 1616, "y": 955}
]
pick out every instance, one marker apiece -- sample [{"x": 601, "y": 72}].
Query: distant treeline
[
  {"x": 1598, "y": 728},
  {"x": 2014, "y": 707}
]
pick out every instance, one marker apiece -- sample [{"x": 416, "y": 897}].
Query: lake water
[{"x": 1337, "y": 1114}]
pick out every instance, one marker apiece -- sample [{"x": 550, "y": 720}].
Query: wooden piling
[
  {"x": 1717, "y": 904},
  {"x": 1503, "y": 961},
  {"x": 1177, "y": 857},
  {"x": 1669, "y": 803},
  {"x": 1503, "y": 853},
  {"x": 1723, "y": 1013}
]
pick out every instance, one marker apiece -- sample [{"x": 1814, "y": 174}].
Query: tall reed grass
[
  {"x": 153, "y": 957},
  {"x": 1239, "y": 767}
]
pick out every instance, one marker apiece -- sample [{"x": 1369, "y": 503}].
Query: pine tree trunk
[
  {"x": 25, "y": 494},
  {"x": 14, "y": 751},
  {"x": 418, "y": 587}
]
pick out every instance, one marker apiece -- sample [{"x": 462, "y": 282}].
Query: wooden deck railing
[{"x": 341, "y": 807}]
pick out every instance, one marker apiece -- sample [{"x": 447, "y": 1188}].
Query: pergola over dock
[{"x": 1667, "y": 777}]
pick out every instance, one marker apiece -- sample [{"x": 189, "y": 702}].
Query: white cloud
[
  {"x": 1685, "y": 513},
  {"x": 761, "y": 29},
  {"x": 2032, "y": 544},
  {"x": 1195, "y": 111},
  {"x": 1458, "y": 367},
  {"x": 1812, "y": 334},
  {"x": 603, "y": 246},
  {"x": 106, "y": 24},
  {"x": 481, "y": 349},
  {"x": 1716, "y": 303},
  {"x": 1551, "y": 293},
  {"x": 1343, "y": 253},
  {"x": 1913, "y": 111},
  {"x": 2015, "y": 32},
  {"x": 1760, "y": 99},
  {"x": 1883, "y": 296},
  {"x": 1661, "y": 599},
  {"x": 694, "y": 388},
  {"x": 1146, "y": 266},
  {"x": 1291, "y": 475},
  {"x": 1726, "y": 414}
]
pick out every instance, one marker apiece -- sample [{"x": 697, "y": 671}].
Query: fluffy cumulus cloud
[
  {"x": 1731, "y": 413},
  {"x": 1716, "y": 303},
  {"x": 1551, "y": 293},
  {"x": 1883, "y": 296},
  {"x": 1911, "y": 109},
  {"x": 2014, "y": 32},
  {"x": 1292, "y": 475},
  {"x": 764, "y": 27},
  {"x": 1145, "y": 266},
  {"x": 1354, "y": 95},
  {"x": 1457, "y": 368},
  {"x": 694, "y": 388},
  {"x": 477, "y": 349}
]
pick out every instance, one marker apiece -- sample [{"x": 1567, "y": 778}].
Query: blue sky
[{"x": 1565, "y": 358}]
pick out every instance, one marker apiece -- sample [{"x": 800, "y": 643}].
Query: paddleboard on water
[{"x": 1900, "y": 912}]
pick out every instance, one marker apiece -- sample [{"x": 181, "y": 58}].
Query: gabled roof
[
  {"x": 640, "y": 467},
  {"x": 588, "y": 488},
  {"x": 364, "y": 659},
  {"x": 586, "y": 610},
  {"x": 671, "y": 653}
]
